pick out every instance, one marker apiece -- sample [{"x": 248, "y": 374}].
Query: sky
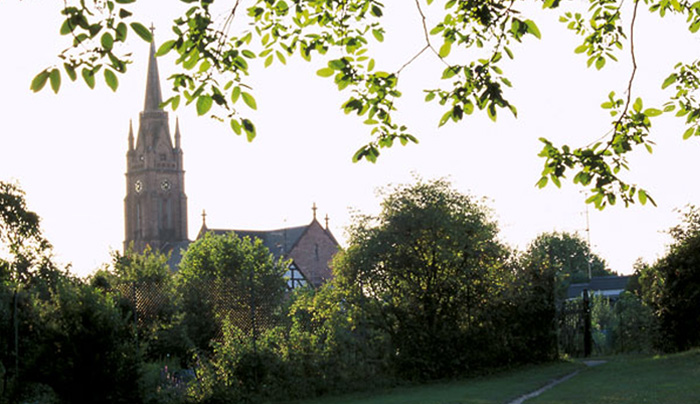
[{"x": 67, "y": 151}]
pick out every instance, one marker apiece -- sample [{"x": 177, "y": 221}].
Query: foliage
[
  {"x": 20, "y": 237},
  {"x": 79, "y": 343},
  {"x": 532, "y": 301},
  {"x": 422, "y": 271},
  {"x": 145, "y": 286},
  {"x": 226, "y": 277},
  {"x": 569, "y": 256},
  {"x": 60, "y": 339},
  {"x": 322, "y": 347},
  {"x": 671, "y": 285},
  {"x": 637, "y": 328},
  {"x": 429, "y": 272},
  {"x": 472, "y": 39}
]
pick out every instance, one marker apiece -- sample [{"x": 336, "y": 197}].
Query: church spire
[{"x": 153, "y": 94}]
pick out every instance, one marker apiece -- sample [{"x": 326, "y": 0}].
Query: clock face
[
  {"x": 138, "y": 186},
  {"x": 165, "y": 185}
]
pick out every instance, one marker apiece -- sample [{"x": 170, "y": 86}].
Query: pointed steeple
[
  {"x": 153, "y": 94},
  {"x": 177, "y": 133},
  {"x": 131, "y": 136}
]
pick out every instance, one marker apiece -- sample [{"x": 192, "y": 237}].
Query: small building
[
  {"x": 309, "y": 248},
  {"x": 608, "y": 286}
]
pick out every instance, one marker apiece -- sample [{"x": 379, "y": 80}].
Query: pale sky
[{"x": 67, "y": 151}]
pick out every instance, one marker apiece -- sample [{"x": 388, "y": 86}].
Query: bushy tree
[
  {"x": 671, "y": 285},
  {"x": 61, "y": 340},
  {"x": 228, "y": 277},
  {"x": 425, "y": 270},
  {"x": 569, "y": 256},
  {"x": 530, "y": 310},
  {"x": 144, "y": 286}
]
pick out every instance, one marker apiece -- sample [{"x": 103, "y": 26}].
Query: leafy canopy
[
  {"x": 471, "y": 38},
  {"x": 569, "y": 256},
  {"x": 671, "y": 285},
  {"x": 422, "y": 271}
]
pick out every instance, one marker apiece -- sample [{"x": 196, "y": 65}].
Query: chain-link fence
[{"x": 246, "y": 306}]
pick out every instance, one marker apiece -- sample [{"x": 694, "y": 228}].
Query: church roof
[{"x": 279, "y": 241}]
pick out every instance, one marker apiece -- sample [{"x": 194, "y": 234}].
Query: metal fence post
[{"x": 587, "y": 337}]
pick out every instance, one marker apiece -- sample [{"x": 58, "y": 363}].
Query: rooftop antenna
[{"x": 588, "y": 239}]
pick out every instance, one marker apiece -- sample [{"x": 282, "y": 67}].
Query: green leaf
[
  {"x": 581, "y": 48},
  {"x": 55, "y": 79},
  {"x": 445, "y": 117},
  {"x": 249, "y": 129},
  {"x": 688, "y": 133},
  {"x": 235, "y": 94},
  {"x": 281, "y": 57},
  {"x": 650, "y": 112},
  {"x": 378, "y": 34},
  {"x": 236, "y": 126},
  {"x": 107, "y": 41},
  {"x": 249, "y": 100},
  {"x": 669, "y": 80},
  {"x": 600, "y": 62},
  {"x": 120, "y": 31},
  {"x": 142, "y": 31},
  {"x": 89, "y": 77},
  {"x": 174, "y": 101},
  {"x": 595, "y": 198},
  {"x": 67, "y": 27},
  {"x": 555, "y": 180},
  {"x": 269, "y": 60},
  {"x": 542, "y": 182},
  {"x": 370, "y": 65},
  {"x": 39, "y": 81},
  {"x": 70, "y": 70},
  {"x": 204, "y": 103},
  {"x": 508, "y": 52},
  {"x": 325, "y": 72},
  {"x": 642, "y": 197},
  {"x": 445, "y": 49},
  {"x": 532, "y": 28},
  {"x": 248, "y": 53},
  {"x": 695, "y": 26},
  {"x": 166, "y": 47},
  {"x": 637, "y": 106},
  {"x": 111, "y": 79},
  {"x": 337, "y": 64}
]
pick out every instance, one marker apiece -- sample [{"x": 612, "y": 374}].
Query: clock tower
[{"x": 155, "y": 206}]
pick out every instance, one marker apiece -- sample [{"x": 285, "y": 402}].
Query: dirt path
[{"x": 553, "y": 383}]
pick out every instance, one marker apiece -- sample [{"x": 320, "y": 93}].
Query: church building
[{"x": 155, "y": 206}]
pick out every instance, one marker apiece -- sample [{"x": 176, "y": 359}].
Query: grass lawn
[
  {"x": 671, "y": 379},
  {"x": 664, "y": 379},
  {"x": 499, "y": 388}
]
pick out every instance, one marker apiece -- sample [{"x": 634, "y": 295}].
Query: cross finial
[
  {"x": 314, "y": 208},
  {"x": 153, "y": 29},
  {"x": 204, "y": 218},
  {"x": 327, "y": 221}
]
